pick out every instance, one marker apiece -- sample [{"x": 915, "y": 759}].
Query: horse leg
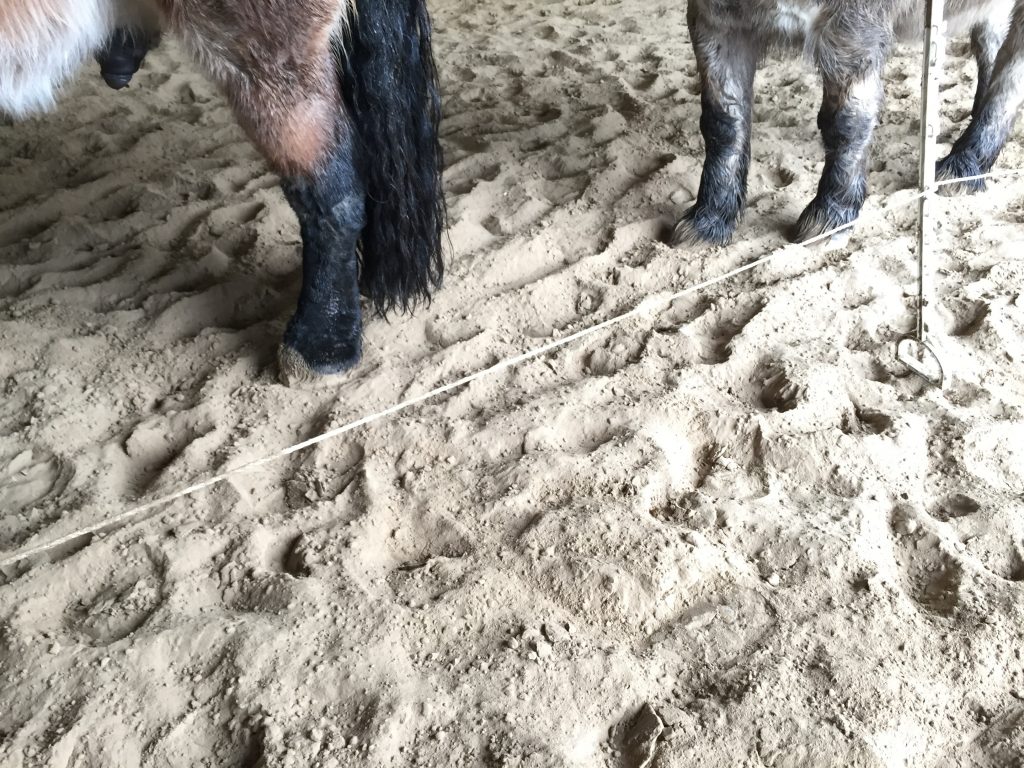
[
  {"x": 307, "y": 139},
  {"x": 987, "y": 38},
  {"x": 727, "y": 60},
  {"x": 977, "y": 150},
  {"x": 353, "y": 134},
  {"x": 324, "y": 336},
  {"x": 280, "y": 75},
  {"x": 851, "y": 68}
]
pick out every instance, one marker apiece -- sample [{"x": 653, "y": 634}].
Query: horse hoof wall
[
  {"x": 695, "y": 230},
  {"x": 824, "y": 228},
  {"x": 820, "y": 243},
  {"x": 293, "y": 371},
  {"x": 117, "y": 82}
]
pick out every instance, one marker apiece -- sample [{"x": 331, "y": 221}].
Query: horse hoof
[
  {"x": 293, "y": 370},
  {"x": 122, "y": 57},
  {"x": 816, "y": 228},
  {"x": 701, "y": 229},
  {"x": 117, "y": 81},
  {"x": 316, "y": 347},
  {"x": 816, "y": 242}
]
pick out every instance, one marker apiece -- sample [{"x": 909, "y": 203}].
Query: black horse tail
[{"x": 392, "y": 95}]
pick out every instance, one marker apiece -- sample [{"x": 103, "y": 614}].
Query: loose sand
[{"x": 732, "y": 532}]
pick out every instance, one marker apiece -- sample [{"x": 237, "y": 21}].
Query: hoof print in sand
[
  {"x": 31, "y": 477},
  {"x": 724, "y": 324},
  {"x": 618, "y": 352},
  {"x": 316, "y": 553},
  {"x": 260, "y": 592},
  {"x": 158, "y": 443},
  {"x": 931, "y": 577},
  {"x": 780, "y": 392},
  {"x": 970, "y": 319},
  {"x": 955, "y": 506},
  {"x": 417, "y": 576},
  {"x": 117, "y": 611},
  {"x": 868, "y": 421},
  {"x": 300, "y": 558},
  {"x": 326, "y": 475}
]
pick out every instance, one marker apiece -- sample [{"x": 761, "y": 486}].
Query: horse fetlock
[{"x": 324, "y": 335}]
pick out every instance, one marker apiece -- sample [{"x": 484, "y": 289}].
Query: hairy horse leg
[
  {"x": 727, "y": 61},
  {"x": 977, "y": 150},
  {"x": 312, "y": 147},
  {"x": 852, "y": 78},
  {"x": 987, "y": 38},
  {"x": 281, "y": 76},
  {"x": 324, "y": 336}
]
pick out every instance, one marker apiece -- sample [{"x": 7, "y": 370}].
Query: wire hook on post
[{"x": 915, "y": 351}]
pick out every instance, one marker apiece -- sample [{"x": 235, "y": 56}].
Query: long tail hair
[{"x": 392, "y": 96}]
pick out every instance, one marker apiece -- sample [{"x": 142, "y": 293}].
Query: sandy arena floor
[{"x": 731, "y": 532}]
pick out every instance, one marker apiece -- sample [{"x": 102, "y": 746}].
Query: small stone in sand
[
  {"x": 641, "y": 737},
  {"x": 555, "y": 632}
]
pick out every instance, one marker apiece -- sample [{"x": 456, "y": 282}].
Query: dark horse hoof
[
  {"x": 307, "y": 357},
  {"x": 959, "y": 165},
  {"x": 696, "y": 228},
  {"x": 293, "y": 370},
  {"x": 122, "y": 56},
  {"x": 818, "y": 219}
]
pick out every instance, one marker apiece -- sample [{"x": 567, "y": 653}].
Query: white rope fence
[{"x": 647, "y": 305}]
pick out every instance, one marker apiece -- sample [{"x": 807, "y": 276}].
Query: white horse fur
[{"x": 44, "y": 42}]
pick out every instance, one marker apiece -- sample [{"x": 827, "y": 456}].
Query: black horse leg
[{"x": 325, "y": 334}]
